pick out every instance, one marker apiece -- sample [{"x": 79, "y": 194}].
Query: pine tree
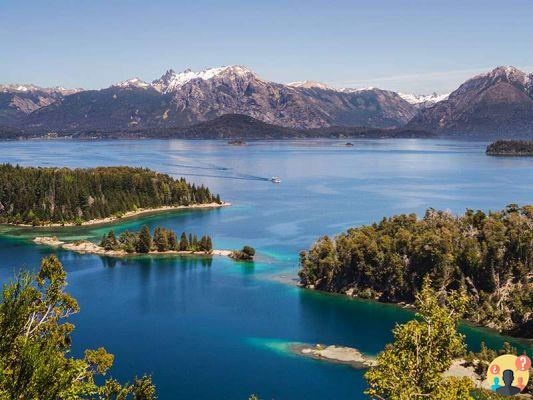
[
  {"x": 144, "y": 242},
  {"x": 209, "y": 244},
  {"x": 184, "y": 243},
  {"x": 160, "y": 239},
  {"x": 172, "y": 240},
  {"x": 195, "y": 243},
  {"x": 110, "y": 241},
  {"x": 203, "y": 243}
]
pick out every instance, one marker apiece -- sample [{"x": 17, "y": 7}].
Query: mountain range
[{"x": 497, "y": 103}]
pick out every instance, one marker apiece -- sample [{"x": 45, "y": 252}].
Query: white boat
[{"x": 275, "y": 179}]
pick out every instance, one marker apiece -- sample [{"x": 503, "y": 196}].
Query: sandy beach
[{"x": 130, "y": 214}]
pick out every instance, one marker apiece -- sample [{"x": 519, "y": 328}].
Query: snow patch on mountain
[
  {"x": 133, "y": 82},
  {"x": 424, "y": 99},
  {"x": 171, "y": 81},
  {"x": 310, "y": 85}
]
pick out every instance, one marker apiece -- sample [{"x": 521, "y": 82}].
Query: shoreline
[
  {"x": 356, "y": 359},
  {"x": 126, "y": 215},
  {"x": 523, "y": 341},
  {"x": 87, "y": 247}
]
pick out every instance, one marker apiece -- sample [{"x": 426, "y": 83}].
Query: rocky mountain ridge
[{"x": 499, "y": 102}]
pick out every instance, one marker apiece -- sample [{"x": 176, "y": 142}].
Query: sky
[{"x": 416, "y": 46}]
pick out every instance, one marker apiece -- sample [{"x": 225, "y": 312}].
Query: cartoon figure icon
[
  {"x": 496, "y": 384},
  {"x": 508, "y": 374},
  {"x": 508, "y": 389}
]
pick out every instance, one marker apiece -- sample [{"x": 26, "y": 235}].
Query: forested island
[
  {"x": 163, "y": 240},
  {"x": 510, "y": 148},
  {"x": 488, "y": 256},
  {"x": 62, "y": 196}
]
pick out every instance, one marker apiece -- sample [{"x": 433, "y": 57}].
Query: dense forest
[
  {"x": 40, "y": 196},
  {"x": 162, "y": 240},
  {"x": 489, "y": 256},
  {"x": 510, "y": 148}
]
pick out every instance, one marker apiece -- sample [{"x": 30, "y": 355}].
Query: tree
[
  {"x": 203, "y": 243},
  {"x": 249, "y": 251},
  {"x": 412, "y": 366},
  {"x": 184, "y": 243},
  {"x": 194, "y": 243},
  {"x": 35, "y": 341},
  {"x": 172, "y": 240},
  {"x": 160, "y": 239},
  {"x": 209, "y": 244},
  {"x": 109, "y": 242},
  {"x": 144, "y": 242}
]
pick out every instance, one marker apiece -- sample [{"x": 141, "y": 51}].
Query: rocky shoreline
[{"x": 87, "y": 247}]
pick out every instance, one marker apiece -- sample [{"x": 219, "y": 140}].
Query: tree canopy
[
  {"x": 162, "y": 240},
  {"x": 59, "y": 195},
  {"x": 423, "y": 349},
  {"x": 488, "y": 255},
  {"x": 35, "y": 342}
]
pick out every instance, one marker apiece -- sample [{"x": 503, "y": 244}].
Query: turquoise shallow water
[{"x": 216, "y": 329}]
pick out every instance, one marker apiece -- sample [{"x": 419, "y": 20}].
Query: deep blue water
[{"x": 215, "y": 329}]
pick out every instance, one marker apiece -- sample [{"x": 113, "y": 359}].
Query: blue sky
[{"x": 418, "y": 46}]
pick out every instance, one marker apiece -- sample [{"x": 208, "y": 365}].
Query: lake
[{"x": 218, "y": 329}]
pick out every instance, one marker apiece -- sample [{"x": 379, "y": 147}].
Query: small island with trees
[
  {"x": 486, "y": 256},
  {"x": 246, "y": 254},
  {"x": 510, "y": 148},
  {"x": 36, "y": 196},
  {"x": 163, "y": 241}
]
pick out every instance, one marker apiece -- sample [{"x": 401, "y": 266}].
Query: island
[
  {"x": 237, "y": 142},
  {"x": 246, "y": 254},
  {"x": 52, "y": 196},
  {"x": 487, "y": 256},
  {"x": 334, "y": 354},
  {"x": 510, "y": 148},
  {"x": 163, "y": 241}
]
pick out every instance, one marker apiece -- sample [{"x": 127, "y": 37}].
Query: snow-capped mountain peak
[
  {"x": 309, "y": 85},
  {"x": 171, "y": 81},
  {"x": 424, "y": 100},
  {"x": 133, "y": 82}
]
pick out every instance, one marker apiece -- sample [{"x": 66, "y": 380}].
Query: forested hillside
[
  {"x": 39, "y": 196},
  {"x": 487, "y": 255}
]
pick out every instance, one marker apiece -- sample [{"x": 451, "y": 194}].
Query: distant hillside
[
  {"x": 510, "y": 148},
  {"x": 188, "y": 98},
  {"x": 495, "y": 104},
  {"x": 236, "y": 126}
]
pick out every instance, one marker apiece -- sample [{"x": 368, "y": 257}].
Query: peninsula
[
  {"x": 488, "y": 256},
  {"x": 35, "y": 196}
]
